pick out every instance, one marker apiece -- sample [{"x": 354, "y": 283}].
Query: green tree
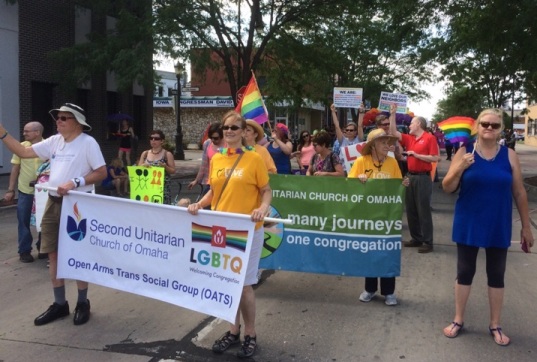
[
  {"x": 489, "y": 45},
  {"x": 237, "y": 32},
  {"x": 375, "y": 45}
]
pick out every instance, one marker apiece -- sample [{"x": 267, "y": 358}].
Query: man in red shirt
[{"x": 422, "y": 150}]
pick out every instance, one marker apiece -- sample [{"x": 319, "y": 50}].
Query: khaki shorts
[
  {"x": 50, "y": 226},
  {"x": 255, "y": 256}
]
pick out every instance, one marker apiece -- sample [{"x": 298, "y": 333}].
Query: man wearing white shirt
[{"x": 76, "y": 162}]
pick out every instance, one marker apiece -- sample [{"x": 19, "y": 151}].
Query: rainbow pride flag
[
  {"x": 234, "y": 238},
  {"x": 251, "y": 105},
  {"x": 458, "y": 129}
]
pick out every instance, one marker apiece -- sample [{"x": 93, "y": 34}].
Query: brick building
[{"x": 29, "y": 31}]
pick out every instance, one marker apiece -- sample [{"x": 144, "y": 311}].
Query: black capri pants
[{"x": 466, "y": 265}]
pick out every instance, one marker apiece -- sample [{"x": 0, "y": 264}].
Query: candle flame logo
[
  {"x": 76, "y": 212},
  {"x": 76, "y": 226}
]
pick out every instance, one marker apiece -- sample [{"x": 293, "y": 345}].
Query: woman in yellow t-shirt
[
  {"x": 247, "y": 193},
  {"x": 253, "y": 133},
  {"x": 375, "y": 163}
]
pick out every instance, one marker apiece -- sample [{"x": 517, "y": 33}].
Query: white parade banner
[{"x": 158, "y": 251}]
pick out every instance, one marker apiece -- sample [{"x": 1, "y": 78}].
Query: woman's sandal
[
  {"x": 226, "y": 341},
  {"x": 499, "y": 341},
  {"x": 248, "y": 347},
  {"x": 453, "y": 329}
]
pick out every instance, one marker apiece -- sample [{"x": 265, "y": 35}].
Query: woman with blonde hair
[
  {"x": 246, "y": 191},
  {"x": 117, "y": 178},
  {"x": 489, "y": 178}
]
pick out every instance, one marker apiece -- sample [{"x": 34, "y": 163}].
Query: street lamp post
[{"x": 179, "y": 152}]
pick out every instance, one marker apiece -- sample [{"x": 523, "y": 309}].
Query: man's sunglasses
[
  {"x": 349, "y": 130},
  {"x": 63, "y": 118},
  {"x": 155, "y": 138}
]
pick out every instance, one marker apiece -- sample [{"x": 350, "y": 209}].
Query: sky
[{"x": 427, "y": 108}]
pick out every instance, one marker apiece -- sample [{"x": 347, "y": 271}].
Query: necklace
[
  {"x": 379, "y": 166},
  {"x": 156, "y": 153},
  {"x": 488, "y": 159},
  {"x": 234, "y": 151}
]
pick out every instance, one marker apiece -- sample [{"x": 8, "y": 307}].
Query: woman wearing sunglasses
[
  {"x": 158, "y": 156},
  {"x": 243, "y": 188},
  {"x": 324, "y": 162},
  {"x": 353, "y": 133},
  {"x": 210, "y": 148},
  {"x": 489, "y": 178}
]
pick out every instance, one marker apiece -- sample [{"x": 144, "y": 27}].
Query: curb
[{"x": 531, "y": 191}]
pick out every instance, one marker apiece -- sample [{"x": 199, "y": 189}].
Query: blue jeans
[{"x": 24, "y": 212}]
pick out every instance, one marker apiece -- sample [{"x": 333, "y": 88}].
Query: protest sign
[
  {"x": 158, "y": 251},
  {"x": 347, "y": 97},
  {"x": 147, "y": 183},
  {"x": 387, "y": 99}
]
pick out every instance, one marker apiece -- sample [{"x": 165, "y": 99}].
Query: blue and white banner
[{"x": 158, "y": 251}]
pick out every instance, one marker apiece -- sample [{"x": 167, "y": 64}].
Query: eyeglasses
[
  {"x": 306, "y": 135},
  {"x": 488, "y": 124},
  {"x": 384, "y": 124},
  {"x": 155, "y": 138},
  {"x": 350, "y": 129},
  {"x": 28, "y": 131},
  {"x": 233, "y": 128},
  {"x": 63, "y": 118},
  {"x": 215, "y": 138}
]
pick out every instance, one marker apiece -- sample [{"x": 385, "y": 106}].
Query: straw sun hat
[
  {"x": 375, "y": 135},
  {"x": 257, "y": 127}
]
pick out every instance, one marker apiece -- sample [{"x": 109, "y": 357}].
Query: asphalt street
[{"x": 300, "y": 317}]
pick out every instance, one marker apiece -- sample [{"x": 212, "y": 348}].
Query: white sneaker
[
  {"x": 391, "y": 300},
  {"x": 366, "y": 296}
]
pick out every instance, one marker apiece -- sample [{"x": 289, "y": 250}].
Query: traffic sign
[{"x": 190, "y": 89}]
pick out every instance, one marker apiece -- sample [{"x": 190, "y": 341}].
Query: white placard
[
  {"x": 387, "y": 99},
  {"x": 348, "y": 97}
]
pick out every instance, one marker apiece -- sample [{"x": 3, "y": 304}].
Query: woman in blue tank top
[
  {"x": 489, "y": 177},
  {"x": 280, "y": 148}
]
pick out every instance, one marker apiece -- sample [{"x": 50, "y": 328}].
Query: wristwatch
[{"x": 77, "y": 182}]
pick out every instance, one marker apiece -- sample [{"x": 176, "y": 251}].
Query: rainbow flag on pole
[
  {"x": 458, "y": 129},
  {"x": 251, "y": 105}
]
